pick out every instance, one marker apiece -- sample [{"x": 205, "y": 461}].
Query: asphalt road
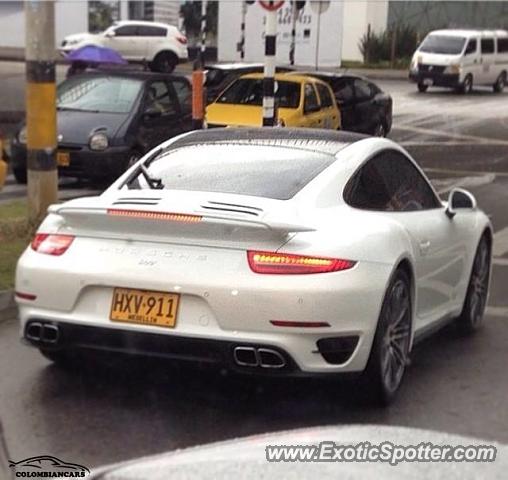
[{"x": 454, "y": 384}]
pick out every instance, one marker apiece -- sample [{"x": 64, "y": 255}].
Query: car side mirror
[
  {"x": 110, "y": 34},
  {"x": 459, "y": 199}
]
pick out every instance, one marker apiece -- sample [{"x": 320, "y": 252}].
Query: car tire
[
  {"x": 422, "y": 88},
  {"x": 475, "y": 302},
  {"x": 498, "y": 87},
  {"x": 164, "y": 62},
  {"x": 390, "y": 349},
  {"x": 20, "y": 175},
  {"x": 467, "y": 85}
]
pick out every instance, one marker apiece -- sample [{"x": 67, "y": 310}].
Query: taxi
[{"x": 300, "y": 100}]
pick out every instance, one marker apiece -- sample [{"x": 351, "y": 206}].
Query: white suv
[{"x": 162, "y": 45}]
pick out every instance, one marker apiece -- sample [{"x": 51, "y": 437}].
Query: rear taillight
[
  {"x": 51, "y": 244},
  {"x": 181, "y": 39},
  {"x": 287, "y": 263}
]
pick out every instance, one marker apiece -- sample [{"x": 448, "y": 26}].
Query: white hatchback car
[
  {"x": 162, "y": 45},
  {"x": 271, "y": 251}
]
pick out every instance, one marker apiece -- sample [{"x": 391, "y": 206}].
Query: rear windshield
[
  {"x": 260, "y": 171},
  {"x": 443, "y": 44},
  {"x": 249, "y": 91},
  {"x": 98, "y": 94}
]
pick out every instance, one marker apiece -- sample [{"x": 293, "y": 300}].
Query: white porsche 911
[{"x": 280, "y": 251}]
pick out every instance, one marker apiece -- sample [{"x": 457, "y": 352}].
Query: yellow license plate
[
  {"x": 63, "y": 159},
  {"x": 145, "y": 307}
]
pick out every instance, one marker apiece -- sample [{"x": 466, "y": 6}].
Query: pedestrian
[{"x": 76, "y": 67}]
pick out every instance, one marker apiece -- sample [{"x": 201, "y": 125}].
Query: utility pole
[
  {"x": 296, "y": 6},
  {"x": 40, "y": 108},
  {"x": 241, "y": 43},
  {"x": 294, "y": 13},
  {"x": 198, "y": 76},
  {"x": 269, "y": 113}
]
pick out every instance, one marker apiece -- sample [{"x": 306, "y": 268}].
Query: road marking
[
  {"x": 435, "y": 133},
  {"x": 500, "y": 242},
  {"x": 464, "y": 172},
  {"x": 497, "y": 311},
  {"x": 466, "y": 182},
  {"x": 501, "y": 262}
]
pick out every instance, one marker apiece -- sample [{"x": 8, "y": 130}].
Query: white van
[{"x": 460, "y": 59}]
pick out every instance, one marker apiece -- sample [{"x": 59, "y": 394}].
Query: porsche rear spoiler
[{"x": 268, "y": 222}]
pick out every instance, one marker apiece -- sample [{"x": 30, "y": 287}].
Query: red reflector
[
  {"x": 287, "y": 263},
  {"x": 182, "y": 39},
  {"x": 173, "y": 217},
  {"x": 290, "y": 323},
  {"x": 51, "y": 244},
  {"x": 25, "y": 296}
]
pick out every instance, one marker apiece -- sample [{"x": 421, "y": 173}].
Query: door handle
[{"x": 424, "y": 247}]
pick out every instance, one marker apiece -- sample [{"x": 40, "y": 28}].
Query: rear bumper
[
  {"x": 84, "y": 163},
  {"x": 203, "y": 352},
  {"x": 251, "y": 358},
  {"x": 437, "y": 79},
  {"x": 221, "y": 300}
]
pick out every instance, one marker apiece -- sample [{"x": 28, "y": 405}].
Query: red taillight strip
[
  {"x": 287, "y": 263},
  {"x": 25, "y": 296},
  {"x": 173, "y": 217},
  {"x": 51, "y": 243},
  {"x": 292, "y": 323}
]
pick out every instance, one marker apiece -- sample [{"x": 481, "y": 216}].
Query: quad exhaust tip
[
  {"x": 258, "y": 357},
  {"x": 42, "y": 333}
]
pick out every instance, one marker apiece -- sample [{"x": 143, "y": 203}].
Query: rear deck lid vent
[{"x": 232, "y": 208}]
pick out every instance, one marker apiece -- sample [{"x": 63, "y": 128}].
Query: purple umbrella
[{"x": 96, "y": 54}]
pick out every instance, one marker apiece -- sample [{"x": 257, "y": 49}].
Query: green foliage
[
  {"x": 14, "y": 237},
  {"x": 377, "y": 47},
  {"x": 191, "y": 14},
  {"x": 101, "y": 14}
]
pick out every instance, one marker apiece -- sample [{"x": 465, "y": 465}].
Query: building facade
[
  {"x": 76, "y": 16},
  {"x": 322, "y": 40}
]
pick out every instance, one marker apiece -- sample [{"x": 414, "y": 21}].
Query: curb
[{"x": 8, "y": 308}]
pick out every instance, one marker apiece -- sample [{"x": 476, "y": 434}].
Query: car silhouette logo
[{"x": 39, "y": 466}]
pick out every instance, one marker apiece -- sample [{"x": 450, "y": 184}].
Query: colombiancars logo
[{"x": 46, "y": 466}]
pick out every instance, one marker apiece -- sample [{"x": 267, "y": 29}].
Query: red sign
[{"x": 271, "y": 5}]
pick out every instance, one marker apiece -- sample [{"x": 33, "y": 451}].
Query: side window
[
  {"x": 324, "y": 95},
  {"x": 311, "y": 103},
  {"x": 502, "y": 45},
  {"x": 126, "y": 31},
  {"x": 487, "y": 45},
  {"x": 159, "y": 98},
  {"x": 390, "y": 182},
  {"x": 184, "y": 94},
  {"x": 471, "y": 46},
  {"x": 344, "y": 92},
  {"x": 149, "y": 31},
  {"x": 363, "y": 90}
]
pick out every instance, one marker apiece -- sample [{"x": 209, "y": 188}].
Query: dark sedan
[
  {"x": 364, "y": 107},
  {"x": 109, "y": 119},
  {"x": 220, "y": 75}
]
